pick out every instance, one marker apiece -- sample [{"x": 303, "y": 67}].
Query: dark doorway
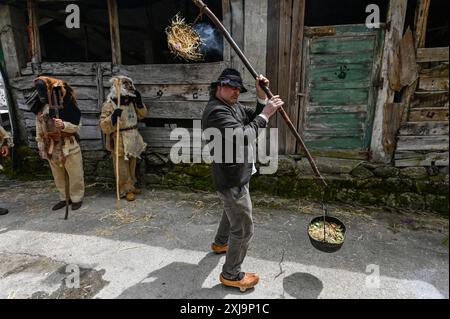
[
  {"x": 332, "y": 12},
  {"x": 437, "y": 30},
  {"x": 89, "y": 43}
]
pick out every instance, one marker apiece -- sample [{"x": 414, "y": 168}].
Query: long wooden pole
[
  {"x": 55, "y": 95},
  {"x": 204, "y": 9},
  {"x": 119, "y": 91}
]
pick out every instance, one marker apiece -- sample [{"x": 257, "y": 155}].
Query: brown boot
[
  {"x": 248, "y": 281},
  {"x": 219, "y": 249},
  {"x": 130, "y": 197},
  {"x": 137, "y": 191}
]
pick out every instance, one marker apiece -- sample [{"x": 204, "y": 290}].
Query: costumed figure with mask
[
  {"x": 58, "y": 122},
  {"x": 124, "y": 114},
  {"x": 6, "y": 143}
]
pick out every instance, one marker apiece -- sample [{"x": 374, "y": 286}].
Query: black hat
[{"x": 231, "y": 77}]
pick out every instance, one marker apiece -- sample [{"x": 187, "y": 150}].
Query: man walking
[{"x": 231, "y": 180}]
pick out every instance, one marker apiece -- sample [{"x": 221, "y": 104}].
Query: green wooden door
[{"x": 340, "y": 85}]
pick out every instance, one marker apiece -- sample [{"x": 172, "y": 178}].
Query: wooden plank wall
[
  {"x": 423, "y": 139},
  {"x": 172, "y": 92},
  {"x": 285, "y": 47},
  {"x": 84, "y": 78}
]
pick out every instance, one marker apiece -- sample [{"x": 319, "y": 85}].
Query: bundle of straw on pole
[{"x": 184, "y": 42}]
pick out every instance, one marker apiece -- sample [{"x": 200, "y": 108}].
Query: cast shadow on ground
[{"x": 181, "y": 281}]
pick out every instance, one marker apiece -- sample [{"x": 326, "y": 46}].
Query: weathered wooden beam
[
  {"x": 33, "y": 27},
  {"x": 421, "y": 22},
  {"x": 273, "y": 18},
  {"x": 433, "y": 84},
  {"x": 416, "y": 159},
  {"x": 342, "y": 154},
  {"x": 226, "y": 13},
  {"x": 238, "y": 32},
  {"x": 429, "y": 114},
  {"x": 26, "y": 82},
  {"x": 272, "y": 42},
  {"x": 91, "y": 133},
  {"x": 158, "y": 139},
  {"x": 175, "y": 109},
  {"x": 423, "y": 143},
  {"x": 392, "y": 121},
  {"x": 255, "y": 36},
  {"x": 295, "y": 71},
  {"x": 424, "y": 129},
  {"x": 92, "y": 145},
  {"x": 422, "y": 13},
  {"x": 13, "y": 29},
  {"x": 69, "y": 68},
  {"x": 204, "y": 73},
  {"x": 284, "y": 55},
  {"x": 396, "y": 20},
  {"x": 439, "y": 71},
  {"x": 115, "y": 32},
  {"x": 433, "y": 55}
]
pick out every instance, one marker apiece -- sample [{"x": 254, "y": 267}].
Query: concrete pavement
[{"x": 158, "y": 247}]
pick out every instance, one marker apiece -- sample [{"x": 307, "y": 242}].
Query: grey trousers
[{"x": 235, "y": 229}]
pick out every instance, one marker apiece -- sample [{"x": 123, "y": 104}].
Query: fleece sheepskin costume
[
  {"x": 131, "y": 143},
  {"x": 55, "y": 99}
]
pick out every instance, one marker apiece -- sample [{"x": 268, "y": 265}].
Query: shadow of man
[
  {"x": 181, "y": 281},
  {"x": 174, "y": 281}
]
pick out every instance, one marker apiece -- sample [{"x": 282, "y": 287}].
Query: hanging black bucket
[{"x": 323, "y": 245}]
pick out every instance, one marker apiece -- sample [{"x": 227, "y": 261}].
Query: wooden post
[
  {"x": 13, "y": 27},
  {"x": 255, "y": 36},
  {"x": 115, "y": 32},
  {"x": 226, "y": 9},
  {"x": 33, "y": 31},
  {"x": 284, "y": 68},
  {"x": 286, "y": 20},
  {"x": 273, "y": 18},
  {"x": 237, "y": 31},
  {"x": 422, "y": 12},
  {"x": 396, "y": 20},
  {"x": 295, "y": 71},
  {"x": 421, "y": 22}
]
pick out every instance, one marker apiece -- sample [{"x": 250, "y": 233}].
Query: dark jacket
[{"x": 221, "y": 116}]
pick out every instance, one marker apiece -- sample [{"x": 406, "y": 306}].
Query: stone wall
[{"x": 415, "y": 188}]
